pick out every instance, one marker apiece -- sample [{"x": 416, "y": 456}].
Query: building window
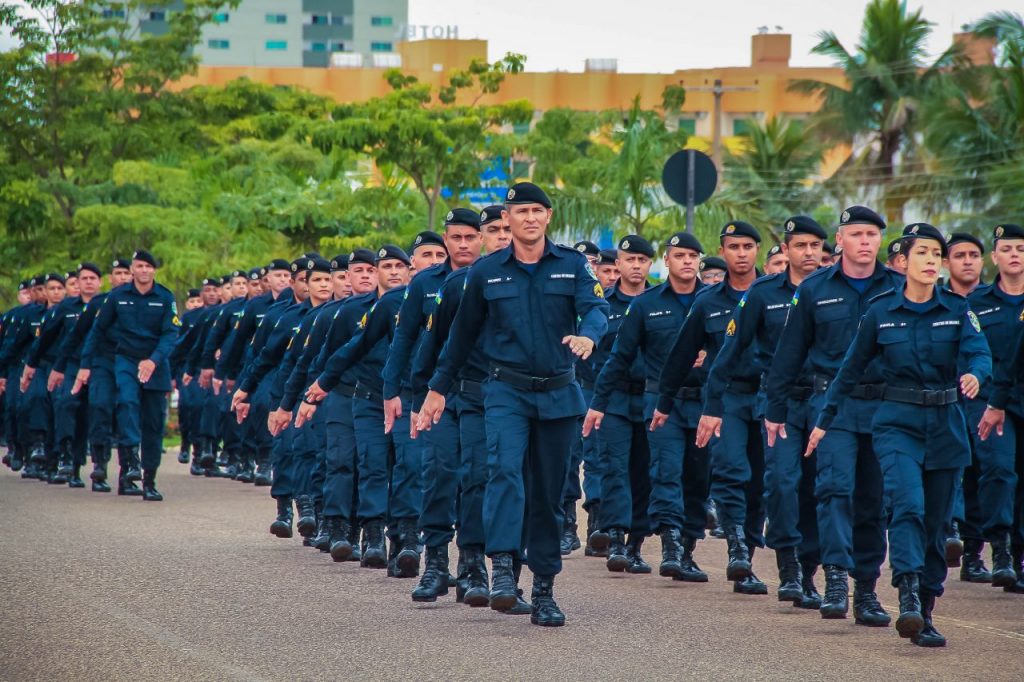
[
  {"x": 381, "y": 21},
  {"x": 340, "y": 20},
  {"x": 158, "y": 15},
  {"x": 742, "y": 126},
  {"x": 315, "y": 47},
  {"x": 112, "y": 13},
  {"x": 277, "y": 18},
  {"x": 338, "y": 47},
  {"x": 520, "y": 129},
  {"x": 277, "y": 44},
  {"x": 320, "y": 20},
  {"x": 221, "y": 18},
  {"x": 688, "y": 126},
  {"x": 380, "y": 47},
  {"x": 218, "y": 44}
]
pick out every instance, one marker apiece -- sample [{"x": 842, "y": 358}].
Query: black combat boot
[
  {"x": 836, "y": 602},
  {"x": 790, "y": 575},
  {"x": 521, "y": 607},
  {"x": 408, "y": 560},
  {"x": 65, "y": 460},
  {"x": 149, "y": 491},
  {"x": 131, "y": 455},
  {"x": 434, "y": 581},
  {"x": 282, "y": 525},
  {"x": 617, "y": 560},
  {"x": 1003, "y": 574},
  {"x": 671, "y": 553},
  {"x": 599, "y": 541},
  {"x": 307, "y": 515},
  {"x": 393, "y": 547},
  {"x": 196, "y": 469},
  {"x": 261, "y": 477},
  {"x": 711, "y": 517},
  {"x": 477, "y": 591},
  {"x": 376, "y": 553},
  {"x": 321, "y": 538},
  {"x": 867, "y": 610},
  {"x": 206, "y": 457},
  {"x": 972, "y": 568},
  {"x": 354, "y": 541},
  {"x": 928, "y": 636},
  {"x": 461, "y": 575},
  {"x": 751, "y": 584},
  {"x": 503, "y": 582},
  {"x": 636, "y": 560},
  {"x": 338, "y": 544},
  {"x": 954, "y": 545},
  {"x": 37, "y": 453},
  {"x": 17, "y": 457},
  {"x": 183, "y": 451},
  {"x": 1018, "y": 566},
  {"x": 691, "y": 572},
  {"x": 75, "y": 480},
  {"x": 246, "y": 471},
  {"x": 811, "y": 599},
  {"x": 100, "y": 457},
  {"x": 739, "y": 556},
  {"x": 592, "y": 515},
  {"x": 570, "y": 537},
  {"x": 910, "y": 621},
  {"x": 126, "y": 485},
  {"x": 545, "y": 611}
]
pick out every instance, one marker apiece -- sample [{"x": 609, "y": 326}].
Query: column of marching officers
[{"x": 835, "y": 410}]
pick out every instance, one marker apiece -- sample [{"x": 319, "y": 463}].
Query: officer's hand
[
  {"x": 146, "y": 369},
  {"x": 205, "y": 377},
  {"x": 217, "y": 384},
  {"x": 592, "y": 422},
  {"x": 699, "y": 362},
  {"x": 277, "y": 421},
  {"x": 969, "y": 385},
  {"x": 186, "y": 379},
  {"x": 992, "y": 418},
  {"x": 315, "y": 394},
  {"x": 773, "y": 430},
  {"x": 431, "y": 411},
  {"x": 238, "y": 398},
  {"x": 392, "y": 411},
  {"x": 658, "y": 420},
  {"x": 707, "y": 427},
  {"x": 54, "y": 381},
  {"x": 3, "y": 386},
  {"x": 413, "y": 431},
  {"x": 305, "y": 413},
  {"x": 230, "y": 383},
  {"x": 812, "y": 443},
  {"x": 241, "y": 412},
  {"x": 26, "y": 377},
  {"x": 580, "y": 346},
  {"x": 81, "y": 379}
]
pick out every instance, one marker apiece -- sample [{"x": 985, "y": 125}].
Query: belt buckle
[
  {"x": 538, "y": 383},
  {"x": 933, "y": 398}
]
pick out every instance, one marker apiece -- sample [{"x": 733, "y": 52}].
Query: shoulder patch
[
  {"x": 430, "y": 321},
  {"x": 974, "y": 320},
  {"x": 598, "y": 290},
  {"x": 731, "y": 329}
]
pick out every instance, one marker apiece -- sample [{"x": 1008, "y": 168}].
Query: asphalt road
[{"x": 97, "y": 587}]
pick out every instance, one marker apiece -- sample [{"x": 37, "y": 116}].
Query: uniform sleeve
[
  {"x": 680, "y": 359},
  {"x": 1006, "y": 373},
  {"x": 439, "y": 323},
  {"x": 974, "y": 348},
  {"x": 168, "y": 333},
  {"x": 462, "y": 338},
  {"x": 296, "y": 345},
  {"x": 860, "y": 353},
  {"x": 740, "y": 337},
  {"x": 795, "y": 340},
  {"x": 375, "y": 329},
  {"x": 270, "y": 355},
  {"x": 104, "y": 319},
  {"x": 407, "y": 331},
  {"x": 591, "y": 307},
  {"x": 298, "y": 378},
  {"x": 49, "y": 328},
  {"x": 620, "y": 358},
  {"x": 218, "y": 330},
  {"x": 231, "y": 354},
  {"x": 73, "y": 339}
]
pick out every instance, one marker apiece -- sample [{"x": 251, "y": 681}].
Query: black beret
[
  {"x": 774, "y": 251},
  {"x": 925, "y": 231},
  {"x": 91, "y": 267},
  {"x": 121, "y": 263},
  {"x": 861, "y": 215},
  {"x": 53, "y": 277},
  {"x": 685, "y": 240},
  {"x": 1008, "y": 231},
  {"x": 145, "y": 257},
  {"x": 738, "y": 228},
  {"x": 961, "y": 237},
  {"x": 36, "y": 281},
  {"x": 428, "y": 237},
  {"x": 713, "y": 263},
  {"x": 239, "y": 273},
  {"x": 827, "y": 248},
  {"x": 364, "y": 256},
  {"x": 312, "y": 254},
  {"x": 340, "y": 262},
  {"x": 607, "y": 257},
  {"x": 264, "y": 270},
  {"x": 801, "y": 224},
  {"x": 193, "y": 293},
  {"x": 211, "y": 282},
  {"x": 893, "y": 249},
  {"x": 587, "y": 248},
  {"x": 317, "y": 264},
  {"x": 226, "y": 279},
  {"x": 279, "y": 264},
  {"x": 462, "y": 216},
  {"x": 634, "y": 243},
  {"x": 491, "y": 213},
  {"x": 392, "y": 252},
  {"x": 255, "y": 274},
  {"x": 298, "y": 265},
  {"x": 24, "y": 284},
  {"x": 73, "y": 274},
  {"x": 527, "y": 193}
]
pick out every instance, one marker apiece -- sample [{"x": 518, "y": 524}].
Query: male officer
[
  {"x": 819, "y": 329},
  {"x": 737, "y": 468},
  {"x": 606, "y": 270},
  {"x": 206, "y": 422},
  {"x": 678, "y": 469},
  {"x": 531, "y": 398},
  {"x": 16, "y": 446},
  {"x": 625, "y": 481},
  {"x": 38, "y": 400},
  {"x": 712, "y": 270},
  {"x": 892, "y": 260},
  {"x": 775, "y": 260},
  {"x": 143, "y": 318},
  {"x": 753, "y": 332},
  {"x": 188, "y": 398},
  {"x": 992, "y": 482}
]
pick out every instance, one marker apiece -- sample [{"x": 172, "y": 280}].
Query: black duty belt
[
  {"x": 744, "y": 387},
  {"x": 530, "y": 383},
  {"x": 627, "y": 387},
  {"x": 684, "y": 393},
  {"x": 347, "y": 390},
  {"x": 801, "y": 392},
  {"x": 821, "y": 383},
  {"x": 470, "y": 389},
  {"x": 368, "y": 392},
  {"x": 917, "y": 396},
  {"x": 586, "y": 384}
]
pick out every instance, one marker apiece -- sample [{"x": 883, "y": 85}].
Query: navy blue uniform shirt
[
  {"x": 1002, "y": 319},
  {"x": 420, "y": 301}
]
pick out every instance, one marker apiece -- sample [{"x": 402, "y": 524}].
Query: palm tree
[{"x": 888, "y": 76}]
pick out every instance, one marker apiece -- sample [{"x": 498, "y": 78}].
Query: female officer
[{"x": 917, "y": 332}]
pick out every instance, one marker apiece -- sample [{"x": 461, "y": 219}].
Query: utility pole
[{"x": 716, "y": 121}]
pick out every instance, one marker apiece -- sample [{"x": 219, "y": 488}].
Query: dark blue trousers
[
  {"x": 102, "y": 399},
  {"x": 376, "y": 453},
  {"x": 737, "y": 467},
  {"x": 990, "y": 484},
  {"x": 406, "y": 494},
  {"x": 627, "y": 475},
  {"x": 589, "y": 453},
  {"x": 140, "y": 414},
  {"x": 71, "y": 416},
  {"x": 442, "y": 464},
  {"x": 472, "y": 473},
  {"x": 341, "y": 460},
  {"x": 789, "y": 487}
]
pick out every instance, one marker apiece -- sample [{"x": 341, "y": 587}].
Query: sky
[{"x": 661, "y": 36}]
